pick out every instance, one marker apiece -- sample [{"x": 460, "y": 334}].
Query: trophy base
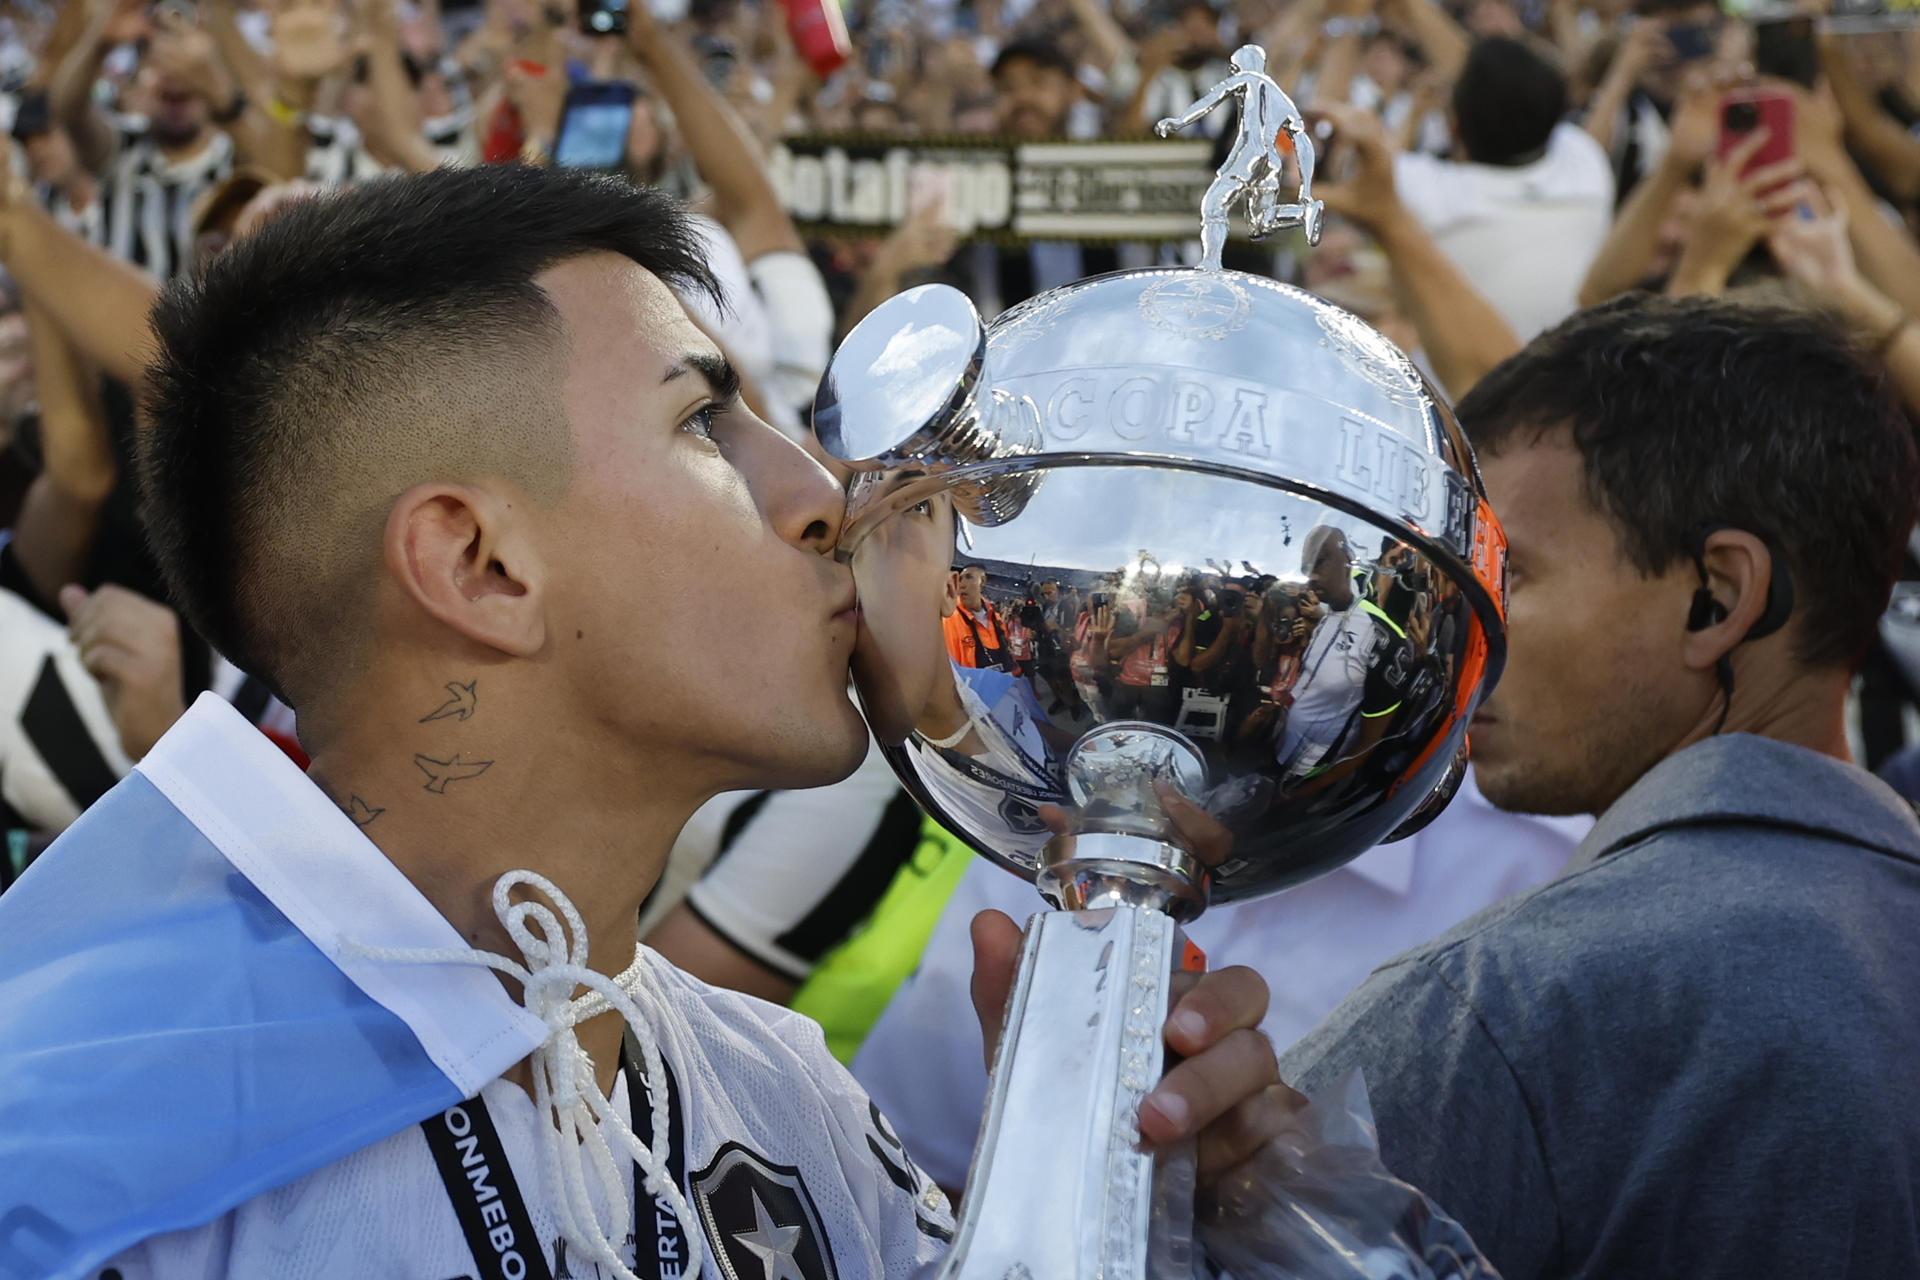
[{"x": 1058, "y": 1189}]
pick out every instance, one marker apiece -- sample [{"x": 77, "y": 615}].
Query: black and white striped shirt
[
  {"x": 147, "y": 200},
  {"x": 337, "y": 155},
  {"x": 88, "y": 223}
]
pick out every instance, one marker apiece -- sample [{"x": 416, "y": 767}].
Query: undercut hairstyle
[
  {"x": 1507, "y": 102},
  {"x": 355, "y": 346},
  {"x": 1696, "y": 412}
]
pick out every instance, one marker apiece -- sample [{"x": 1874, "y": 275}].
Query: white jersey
[
  {"x": 788, "y": 1165},
  {"x": 1332, "y": 682}
]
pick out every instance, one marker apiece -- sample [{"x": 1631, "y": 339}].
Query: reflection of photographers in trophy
[
  {"x": 1141, "y": 647},
  {"x": 997, "y": 747},
  {"x": 1257, "y": 160},
  {"x": 1090, "y": 665},
  {"x": 1406, "y": 592},
  {"x": 1059, "y": 613},
  {"x": 1353, "y": 674},
  {"x": 1280, "y": 639},
  {"x": 977, "y": 636}
]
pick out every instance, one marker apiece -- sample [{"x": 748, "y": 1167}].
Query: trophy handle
[{"x": 1057, "y": 1189}]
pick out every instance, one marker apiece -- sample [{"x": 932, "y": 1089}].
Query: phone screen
[
  {"x": 593, "y": 134},
  {"x": 1743, "y": 111},
  {"x": 603, "y": 17},
  {"x": 1785, "y": 50},
  {"x": 1692, "y": 40}
]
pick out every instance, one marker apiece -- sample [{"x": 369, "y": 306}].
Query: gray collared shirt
[{"x": 1695, "y": 1053}]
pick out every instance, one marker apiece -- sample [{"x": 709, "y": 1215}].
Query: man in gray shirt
[{"x": 1696, "y": 1053}]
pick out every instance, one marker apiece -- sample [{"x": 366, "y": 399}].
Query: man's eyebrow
[{"x": 722, "y": 379}]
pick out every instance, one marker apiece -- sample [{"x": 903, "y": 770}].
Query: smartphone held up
[
  {"x": 1744, "y": 111},
  {"x": 594, "y": 125},
  {"x": 603, "y": 17}
]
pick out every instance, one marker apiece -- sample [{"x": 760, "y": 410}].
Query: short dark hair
[
  {"x": 1700, "y": 411},
  {"x": 1043, "y": 53},
  {"x": 1507, "y": 101},
  {"x": 356, "y": 345}
]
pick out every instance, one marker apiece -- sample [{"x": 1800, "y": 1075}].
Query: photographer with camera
[{"x": 1279, "y": 643}]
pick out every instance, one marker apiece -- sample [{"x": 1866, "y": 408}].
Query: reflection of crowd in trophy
[{"x": 1334, "y": 668}]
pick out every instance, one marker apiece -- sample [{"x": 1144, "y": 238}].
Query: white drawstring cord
[{"x": 564, "y": 1086}]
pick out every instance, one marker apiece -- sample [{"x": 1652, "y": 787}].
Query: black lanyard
[
  {"x": 986, "y": 655},
  {"x": 493, "y": 1216}
]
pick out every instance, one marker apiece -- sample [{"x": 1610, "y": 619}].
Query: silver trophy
[{"x": 1262, "y": 595}]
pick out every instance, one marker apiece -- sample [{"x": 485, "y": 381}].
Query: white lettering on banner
[
  {"x": 493, "y": 1211},
  {"x": 874, "y": 192},
  {"x": 459, "y": 1124},
  {"x": 501, "y": 1238},
  {"x": 670, "y": 1271},
  {"x": 512, "y": 1265},
  {"x": 469, "y": 1149}
]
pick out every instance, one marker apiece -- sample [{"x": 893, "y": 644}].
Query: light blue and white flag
[{"x": 186, "y": 1020}]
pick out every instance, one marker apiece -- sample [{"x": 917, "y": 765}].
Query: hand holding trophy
[{"x": 1293, "y": 596}]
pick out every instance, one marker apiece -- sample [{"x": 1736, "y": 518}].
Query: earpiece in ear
[{"x": 1706, "y": 611}]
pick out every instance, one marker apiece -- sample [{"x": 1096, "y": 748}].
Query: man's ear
[
  {"x": 950, "y": 602},
  {"x": 461, "y": 554},
  {"x": 1739, "y": 571}
]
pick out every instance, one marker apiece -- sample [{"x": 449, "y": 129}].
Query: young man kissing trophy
[{"x": 445, "y": 462}]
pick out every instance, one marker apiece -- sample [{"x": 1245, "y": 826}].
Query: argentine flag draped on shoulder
[{"x": 187, "y": 1017}]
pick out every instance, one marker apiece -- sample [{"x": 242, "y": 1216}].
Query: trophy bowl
[
  {"x": 1178, "y": 586},
  {"x": 1246, "y": 539}
]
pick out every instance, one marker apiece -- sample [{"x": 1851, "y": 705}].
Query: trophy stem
[{"x": 1058, "y": 1189}]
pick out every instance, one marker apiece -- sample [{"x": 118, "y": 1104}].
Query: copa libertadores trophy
[{"x": 1266, "y": 595}]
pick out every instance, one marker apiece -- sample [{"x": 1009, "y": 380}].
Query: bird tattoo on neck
[
  {"x": 441, "y": 772},
  {"x": 462, "y": 703}
]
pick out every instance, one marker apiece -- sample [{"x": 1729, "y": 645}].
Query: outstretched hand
[
  {"x": 309, "y": 41},
  {"x": 1737, "y": 206},
  {"x": 1815, "y": 252},
  {"x": 131, "y": 645},
  {"x": 122, "y": 21},
  {"x": 1225, "y": 1085},
  {"x": 1367, "y": 194},
  {"x": 925, "y": 239}
]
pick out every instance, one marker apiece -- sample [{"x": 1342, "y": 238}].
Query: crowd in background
[{"x": 1491, "y": 166}]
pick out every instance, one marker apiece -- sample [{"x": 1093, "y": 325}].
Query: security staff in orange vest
[{"x": 975, "y": 635}]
